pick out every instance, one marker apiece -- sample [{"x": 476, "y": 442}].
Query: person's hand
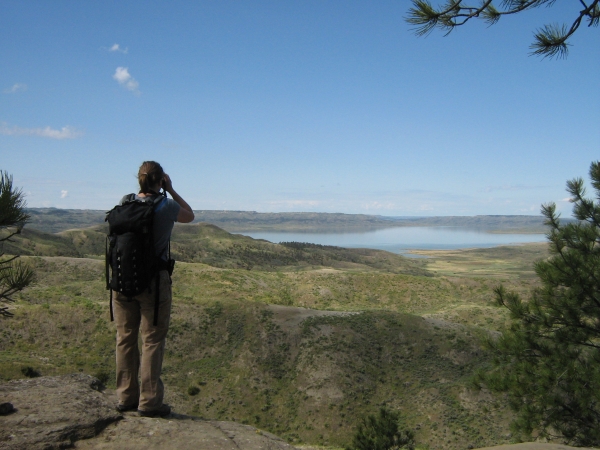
[{"x": 167, "y": 184}]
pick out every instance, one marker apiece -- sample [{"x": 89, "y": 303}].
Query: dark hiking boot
[
  {"x": 124, "y": 408},
  {"x": 162, "y": 411}
]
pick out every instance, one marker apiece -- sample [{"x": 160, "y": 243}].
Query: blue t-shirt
[{"x": 165, "y": 216}]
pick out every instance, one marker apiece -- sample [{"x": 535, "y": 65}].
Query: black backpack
[{"x": 131, "y": 261}]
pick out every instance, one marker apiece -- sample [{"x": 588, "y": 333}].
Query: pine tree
[
  {"x": 550, "y": 40},
  {"x": 548, "y": 362},
  {"x": 382, "y": 432},
  {"x": 14, "y": 275}
]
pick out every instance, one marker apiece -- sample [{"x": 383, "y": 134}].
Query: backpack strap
[
  {"x": 106, "y": 264},
  {"x": 110, "y": 302},
  {"x": 156, "y": 298},
  {"x": 158, "y": 203}
]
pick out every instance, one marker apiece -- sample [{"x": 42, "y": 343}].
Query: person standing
[{"x": 136, "y": 314}]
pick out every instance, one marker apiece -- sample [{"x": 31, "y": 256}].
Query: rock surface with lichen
[{"x": 75, "y": 411}]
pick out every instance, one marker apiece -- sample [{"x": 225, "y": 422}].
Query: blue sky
[{"x": 329, "y": 106}]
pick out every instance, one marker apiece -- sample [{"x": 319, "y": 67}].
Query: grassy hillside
[
  {"x": 211, "y": 245},
  {"x": 450, "y": 285},
  {"x": 300, "y": 340},
  {"x": 76, "y": 243},
  {"x": 511, "y": 261},
  {"x": 306, "y": 375},
  {"x": 53, "y": 220},
  {"x": 497, "y": 223},
  {"x": 33, "y": 242}
]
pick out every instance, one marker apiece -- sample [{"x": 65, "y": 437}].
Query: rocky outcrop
[
  {"x": 73, "y": 411},
  {"x": 53, "y": 412},
  {"x": 182, "y": 432}
]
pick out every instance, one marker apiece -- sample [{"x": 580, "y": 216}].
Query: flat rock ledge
[
  {"x": 73, "y": 411},
  {"x": 53, "y": 412}
]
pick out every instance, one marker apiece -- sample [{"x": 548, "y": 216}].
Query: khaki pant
[{"x": 129, "y": 317}]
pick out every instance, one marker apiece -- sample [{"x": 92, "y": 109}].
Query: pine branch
[
  {"x": 4, "y": 312},
  {"x": 7, "y": 238},
  {"x": 12, "y": 204},
  {"x": 549, "y": 41},
  {"x": 6, "y": 261}
]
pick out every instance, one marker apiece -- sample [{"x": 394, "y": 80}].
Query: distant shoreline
[{"x": 54, "y": 220}]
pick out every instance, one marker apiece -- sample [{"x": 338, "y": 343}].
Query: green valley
[{"x": 301, "y": 340}]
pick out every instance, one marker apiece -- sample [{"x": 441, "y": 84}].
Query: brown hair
[{"x": 150, "y": 175}]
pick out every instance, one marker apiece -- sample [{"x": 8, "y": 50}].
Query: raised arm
[{"x": 186, "y": 215}]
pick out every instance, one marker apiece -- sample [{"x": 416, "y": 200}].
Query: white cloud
[
  {"x": 17, "y": 87},
  {"x": 47, "y": 132},
  {"x": 117, "y": 48},
  {"x": 126, "y": 80},
  {"x": 63, "y": 193}
]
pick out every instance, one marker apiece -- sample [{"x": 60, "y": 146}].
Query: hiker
[{"x": 150, "y": 310}]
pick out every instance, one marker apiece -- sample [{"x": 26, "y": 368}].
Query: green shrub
[
  {"x": 103, "y": 376},
  {"x": 382, "y": 432},
  {"x": 193, "y": 390},
  {"x": 30, "y": 372}
]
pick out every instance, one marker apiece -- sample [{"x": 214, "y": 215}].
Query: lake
[{"x": 403, "y": 239}]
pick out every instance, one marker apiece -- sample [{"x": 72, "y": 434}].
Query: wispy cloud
[
  {"x": 126, "y": 80},
  {"x": 47, "y": 132},
  {"x": 17, "y": 87},
  {"x": 64, "y": 193},
  {"x": 117, "y": 48},
  {"x": 512, "y": 187}
]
